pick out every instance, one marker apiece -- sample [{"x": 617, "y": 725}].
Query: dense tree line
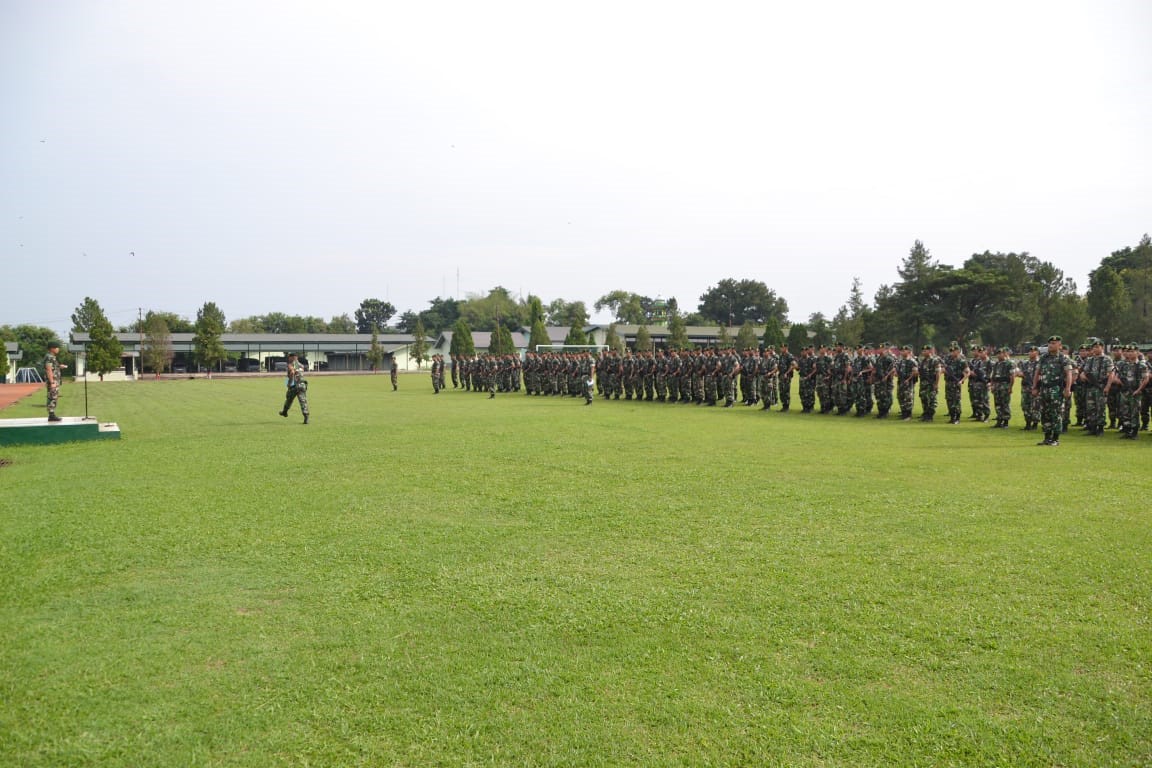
[{"x": 992, "y": 297}]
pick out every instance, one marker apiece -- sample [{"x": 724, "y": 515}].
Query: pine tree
[
  {"x": 462, "y": 343},
  {"x": 539, "y": 336},
  {"x": 104, "y": 350},
  {"x": 797, "y": 336},
  {"x": 419, "y": 349},
  {"x": 157, "y": 352},
  {"x": 723, "y": 339},
  {"x": 746, "y": 337},
  {"x": 575, "y": 337},
  {"x": 677, "y": 332},
  {"x": 375, "y": 353},
  {"x": 612, "y": 339},
  {"x": 773, "y": 335},
  {"x": 643, "y": 339}
]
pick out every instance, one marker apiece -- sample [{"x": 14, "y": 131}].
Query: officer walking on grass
[{"x": 297, "y": 387}]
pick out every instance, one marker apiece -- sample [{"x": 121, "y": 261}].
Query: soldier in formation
[{"x": 52, "y": 369}]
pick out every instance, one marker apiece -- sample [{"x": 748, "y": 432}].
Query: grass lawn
[{"x": 419, "y": 580}]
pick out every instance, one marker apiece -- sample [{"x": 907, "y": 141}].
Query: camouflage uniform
[
  {"x": 955, "y": 372},
  {"x": 885, "y": 371},
  {"x": 906, "y": 372},
  {"x": 749, "y": 373},
  {"x": 52, "y": 382},
  {"x": 297, "y": 388},
  {"x": 1029, "y": 404},
  {"x": 787, "y": 367},
  {"x": 768, "y": 382},
  {"x": 980, "y": 369},
  {"x": 840, "y": 380},
  {"x": 862, "y": 369},
  {"x": 806, "y": 369},
  {"x": 929, "y": 376},
  {"x": 1003, "y": 377},
  {"x": 1049, "y": 385},
  {"x": 1096, "y": 372},
  {"x": 823, "y": 380},
  {"x": 1130, "y": 376}
]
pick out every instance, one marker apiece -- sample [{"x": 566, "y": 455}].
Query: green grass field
[{"x": 419, "y": 580}]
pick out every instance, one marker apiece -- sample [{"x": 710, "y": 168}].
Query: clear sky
[{"x": 301, "y": 157}]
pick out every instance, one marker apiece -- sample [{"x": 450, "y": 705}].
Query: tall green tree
[
  {"x": 375, "y": 353},
  {"x": 501, "y": 343},
  {"x": 677, "y": 332},
  {"x": 462, "y": 343},
  {"x": 1108, "y": 303},
  {"x": 773, "y": 334},
  {"x": 576, "y": 336},
  {"x": 34, "y": 341},
  {"x": 627, "y": 307},
  {"x": 206, "y": 344},
  {"x": 538, "y": 336},
  {"x": 612, "y": 339},
  {"x": 643, "y": 339},
  {"x": 157, "y": 351},
  {"x": 723, "y": 338},
  {"x": 797, "y": 337},
  {"x": 848, "y": 324},
  {"x": 341, "y": 324},
  {"x": 105, "y": 352},
  {"x": 570, "y": 313},
  {"x": 373, "y": 313},
  {"x": 821, "y": 330},
  {"x": 419, "y": 349},
  {"x": 497, "y": 307},
  {"x": 731, "y": 302},
  {"x": 746, "y": 337}
]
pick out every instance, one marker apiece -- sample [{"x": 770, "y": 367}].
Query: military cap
[
  {"x": 953, "y": 345},
  {"x": 1054, "y": 338},
  {"x": 54, "y": 344},
  {"x": 1097, "y": 343},
  {"x": 907, "y": 347},
  {"x": 926, "y": 347}
]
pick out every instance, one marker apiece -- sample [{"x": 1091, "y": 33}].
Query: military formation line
[{"x": 1103, "y": 391}]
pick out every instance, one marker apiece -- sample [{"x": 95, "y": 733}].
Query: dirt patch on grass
[{"x": 10, "y": 393}]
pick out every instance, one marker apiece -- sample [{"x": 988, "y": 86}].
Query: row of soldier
[{"x": 1107, "y": 390}]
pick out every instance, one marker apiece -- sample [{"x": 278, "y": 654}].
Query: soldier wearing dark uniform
[
  {"x": 806, "y": 370},
  {"x": 906, "y": 373},
  {"x": 394, "y": 373},
  {"x": 862, "y": 370},
  {"x": 786, "y": 367},
  {"x": 1130, "y": 376},
  {"x": 956, "y": 373},
  {"x": 1003, "y": 375},
  {"x": 1094, "y": 375},
  {"x": 980, "y": 370},
  {"x": 52, "y": 379},
  {"x": 297, "y": 387},
  {"x": 1052, "y": 384},
  {"x": 884, "y": 372},
  {"x": 768, "y": 382},
  {"x": 929, "y": 377},
  {"x": 1029, "y": 405},
  {"x": 841, "y": 380},
  {"x": 1079, "y": 387},
  {"x": 823, "y": 379}
]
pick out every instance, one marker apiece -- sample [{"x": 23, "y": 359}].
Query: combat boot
[
  {"x": 283, "y": 413},
  {"x": 305, "y": 418}
]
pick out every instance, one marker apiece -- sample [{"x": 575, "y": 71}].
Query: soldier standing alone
[{"x": 52, "y": 379}]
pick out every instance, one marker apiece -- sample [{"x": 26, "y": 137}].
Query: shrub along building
[{"x": 260, "y": 352}]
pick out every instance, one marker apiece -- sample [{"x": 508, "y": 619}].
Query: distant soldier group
[{"x": 1108, "y": 391}]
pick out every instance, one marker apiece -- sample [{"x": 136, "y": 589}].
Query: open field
[{"x": 421, "y": 580}]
